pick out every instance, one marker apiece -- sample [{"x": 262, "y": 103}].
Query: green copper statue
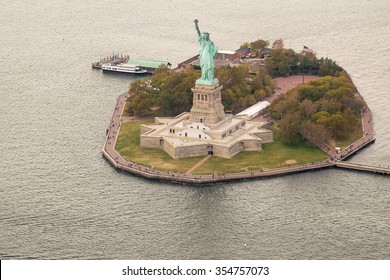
[{"x": 206, "y": 57}]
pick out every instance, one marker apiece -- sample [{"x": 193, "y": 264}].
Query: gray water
[{"x": 60, "y": 200}]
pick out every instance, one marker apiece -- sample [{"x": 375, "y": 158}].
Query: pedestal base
[{"x": 207, "y": 105}]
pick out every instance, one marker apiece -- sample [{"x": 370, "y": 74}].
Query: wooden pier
[
  {"x": 385, "y": 170},
  {"x": 113, "y": 59}
]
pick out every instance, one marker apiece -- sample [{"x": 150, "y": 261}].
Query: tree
[
  {"x": 277, "y": 64},
  {"x": 351, "y": 119},
  {"x": 249, "y": 100},
  {"x": 338, "y": 125},
  {"x": 228, "y": 99},
  {"x": 259, "y": 44},
  {"x": 231, "y": 76},
  {"x": 287, "y": 103},
  {"x": 308, "y": 108},
  {"x": 328, "y": 67},
  {"x": 290, "y": 127},
  {"x": 239, "y": 105},
  {"x": 283, "y": 68},
  {"x": 309, "y": 92},
  {"x": 339, "y": 93},
  {"x": 315, "y": 132},
  {"x": 278, "y": 44},
  {"x": 142, "y": 104},
  {"x": 321, "y": 117},
  {"x": 259, "y": 94},
  {"x": 330, "y": 106},
  {"x": 270, "y": 66}
]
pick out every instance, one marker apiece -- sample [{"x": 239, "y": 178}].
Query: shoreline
[{"x": 115, "y": 159}]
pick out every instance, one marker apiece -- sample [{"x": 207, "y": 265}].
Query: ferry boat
[{"x": 124, "y": 68}]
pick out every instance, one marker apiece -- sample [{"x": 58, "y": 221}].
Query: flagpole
[
  {"x": 305, "y": 50},
  {"x": 303, "y": 64},
  {"x": 303, "y": 67}
]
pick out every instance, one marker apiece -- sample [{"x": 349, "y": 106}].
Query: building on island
[
  {"x": 149, "y": 65},
  {"x": 260, "y": 108},
  {"x": 243, "y": 51},
  {"x": 206, "y": 129}
]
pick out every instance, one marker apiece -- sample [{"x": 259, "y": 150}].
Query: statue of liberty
[{"x": 206, "y": 57}]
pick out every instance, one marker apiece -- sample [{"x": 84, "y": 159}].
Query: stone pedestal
[{"x": 207, "y": 105}]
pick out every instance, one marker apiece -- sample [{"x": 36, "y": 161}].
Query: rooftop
[
  {"x": 255, "y": 109},
  {"x": 226, "y": 52},
  {"x": 148, "y": 63}
]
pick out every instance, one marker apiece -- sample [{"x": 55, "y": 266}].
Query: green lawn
[
  {"x": 273, "y": 155},
  {"x": 128, "y": 145}
]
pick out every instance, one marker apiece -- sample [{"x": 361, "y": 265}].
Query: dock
[
  {"x": 364, "y": 167},
  {"x": 150, "y": 66},
  {"x": 113, "y": 59}
]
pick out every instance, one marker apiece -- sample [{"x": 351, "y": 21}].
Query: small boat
[{"x": 124, "y": 68}]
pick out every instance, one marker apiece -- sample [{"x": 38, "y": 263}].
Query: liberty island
[{"x": 207, "y": 131}]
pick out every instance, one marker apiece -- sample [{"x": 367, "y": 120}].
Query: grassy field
[
  {"x": 128, "y": 145},
  {"x": 273, "y": 155}
]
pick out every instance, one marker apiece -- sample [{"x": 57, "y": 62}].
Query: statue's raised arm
[{"x": 196, "y": 26}]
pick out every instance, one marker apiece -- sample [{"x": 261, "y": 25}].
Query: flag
[{"x": 306, "y": 49}]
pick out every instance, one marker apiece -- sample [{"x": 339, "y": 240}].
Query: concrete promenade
[{"x": 334, "y": 159}]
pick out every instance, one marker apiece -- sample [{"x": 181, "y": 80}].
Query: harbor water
[{"x": 59, "y": 199}]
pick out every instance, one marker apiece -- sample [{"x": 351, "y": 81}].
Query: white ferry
[{"x": 124, "y": 68}]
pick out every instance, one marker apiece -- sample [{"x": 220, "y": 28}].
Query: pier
[
  {"x": 364, "y": 167},
  {"x": 113, "y": 59}
]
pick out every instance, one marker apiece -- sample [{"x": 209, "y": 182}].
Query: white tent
[{"x": 254, "y": 110}]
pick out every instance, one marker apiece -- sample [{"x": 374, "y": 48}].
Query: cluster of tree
[
  {"x": 260, "y": 44},
  {"x": 257, "y": 45},
  {"x": 168, "y": 93},
  {"x": 240, "y": 89},
  {"x": 324, "y": 108},
  {"x": 284, "y": 62}
]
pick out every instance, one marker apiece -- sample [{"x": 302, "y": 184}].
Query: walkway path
[
  {"x": 189, "y": 171},
  {"x": 284, "y": 84}
]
